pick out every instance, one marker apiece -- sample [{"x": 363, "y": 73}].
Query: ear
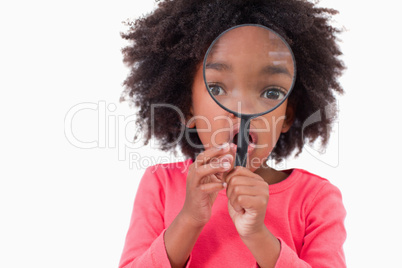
[
  {"x": 289, "y": 118},
  {"x": 189, "y": 123}
]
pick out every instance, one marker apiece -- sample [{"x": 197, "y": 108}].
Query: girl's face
[{"x": 216, "y": 126}]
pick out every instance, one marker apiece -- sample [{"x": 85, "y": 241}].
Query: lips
[{"x": 252, "y": 137}]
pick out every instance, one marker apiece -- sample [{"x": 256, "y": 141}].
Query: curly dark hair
[{"x": 167, "y": 46}]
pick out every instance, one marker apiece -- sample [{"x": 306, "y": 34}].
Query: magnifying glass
[{"x": 249, "y": 70}]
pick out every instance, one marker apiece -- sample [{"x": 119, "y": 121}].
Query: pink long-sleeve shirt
[{"x": 305, "y": 212}]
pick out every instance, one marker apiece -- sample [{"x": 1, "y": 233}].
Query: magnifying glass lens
[{"x": 249, "y": 70}]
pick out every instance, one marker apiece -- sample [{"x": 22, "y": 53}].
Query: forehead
[
  {"x": 254, "y": 40},
  {"x": 250, "y": 49}
]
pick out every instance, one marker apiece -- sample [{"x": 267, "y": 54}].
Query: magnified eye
[
  {"x": 274, "y": 93},
  {"x": 216, "y": 90}
]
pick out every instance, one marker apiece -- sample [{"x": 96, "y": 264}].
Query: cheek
[
  {"x": 207, "y": 116},
  {"x": 212, "y": 128},
  {"x": 205, "y": 111},
  {"x": 272, "y": 124},
  {"x": 277, "y": 123}
]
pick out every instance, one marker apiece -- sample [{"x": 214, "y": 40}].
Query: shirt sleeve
[
  {"x": 324, "y": 236},
  {"x": 144, "y": 245}
]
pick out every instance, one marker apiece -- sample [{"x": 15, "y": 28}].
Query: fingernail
[
  {"x": 226, "y": 165},
  {"x": 223, "y": 146},
  {"x": 226, "y": 158}
]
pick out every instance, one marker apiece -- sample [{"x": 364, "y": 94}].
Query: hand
[
  {"x": 248, "y": 196},
  {"x": 204, "y": 182}
]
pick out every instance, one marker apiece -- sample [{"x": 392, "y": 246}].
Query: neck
[{"x": 270, "y": 175}]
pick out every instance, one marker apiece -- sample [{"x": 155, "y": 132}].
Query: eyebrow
[
  {"x": 276, "y": 70},
  {"x": 270, "y": 69},
  {"x": 218, "y": 66}
]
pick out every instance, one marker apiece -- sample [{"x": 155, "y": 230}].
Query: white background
[{"x": 64, "y": 206}]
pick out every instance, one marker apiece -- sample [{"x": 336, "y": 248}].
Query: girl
[{"x": 203, "y": 212}]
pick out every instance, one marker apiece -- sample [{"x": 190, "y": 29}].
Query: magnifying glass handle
[{"x": 242, "y": 142}]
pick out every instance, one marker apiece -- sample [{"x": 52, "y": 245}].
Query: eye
[
  {"x": 274, "y": 93},
  {"x": 216, "y": 90}
]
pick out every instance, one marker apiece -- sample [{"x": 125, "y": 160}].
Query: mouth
[
  {"x": 252, "y": 139},
  {"x": 236, "y": 137}
]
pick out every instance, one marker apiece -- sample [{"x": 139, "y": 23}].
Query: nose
[
  {"x": 239, "y": 99},
  {"x": 242, "y": 105}
]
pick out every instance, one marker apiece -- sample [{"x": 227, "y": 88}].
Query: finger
[
  {"x": 251, "y": 190},
  {"x": 220, "y": 165},
  {"x": 207, "y": 155},
  {"x": 245, "y": 202},
  {"x": 245, "y": 180},
  {"x": 210, "y": 170},
  {"x": 212, "y": 187},
  {"x": 242, "y": 172},
  {"x": 242, "y": 190},
  {"x": 236, "y": 207}
]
